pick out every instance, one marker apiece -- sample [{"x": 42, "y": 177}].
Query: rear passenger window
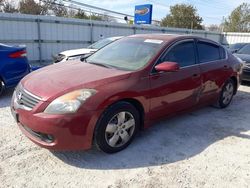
[
  {"x": 222, "y": 53},
  {"x": 182, "y": 53},
  {"x": 208, "y": 52}
]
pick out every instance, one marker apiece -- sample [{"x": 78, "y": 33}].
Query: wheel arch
[
  {"x": 133, "y": 101},
  {"x": 235, "y": 81},
  {"x": 138, "y": 105},
  {"x": 2, "y": 80}
]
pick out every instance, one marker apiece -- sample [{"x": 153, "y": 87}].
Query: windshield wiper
[{"x": 85, "y": 56}]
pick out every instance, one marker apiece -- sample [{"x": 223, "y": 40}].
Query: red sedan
[{"x": 106, "y": 98}]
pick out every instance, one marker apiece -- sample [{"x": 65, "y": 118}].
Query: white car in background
[{"x": 77, "y": 53}]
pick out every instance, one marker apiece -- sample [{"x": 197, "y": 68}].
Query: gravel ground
[{"x": 204, "y": 148}]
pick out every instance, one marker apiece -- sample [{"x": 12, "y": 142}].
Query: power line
[
  {"x": 202, "y": 3},
  {"x": 97, "y": 8},
  {"x": 161, "y": 4},
  {"x": 85, "y": 10},
  {"x": 101, "y": 9}
]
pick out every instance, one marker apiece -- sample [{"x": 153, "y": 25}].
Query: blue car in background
[{"x": 13, "y": 65}]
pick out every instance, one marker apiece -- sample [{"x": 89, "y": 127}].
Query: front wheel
[
  {"x": 226, "y": 94},
  {"x": 117, "y": 127}
]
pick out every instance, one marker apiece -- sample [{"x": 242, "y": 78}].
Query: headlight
[{"x": 70, "y": 102}]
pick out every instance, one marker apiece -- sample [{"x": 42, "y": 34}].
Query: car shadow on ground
[
  {"x": 172, "y": 140},
  {"x": 5, "y": 98}
]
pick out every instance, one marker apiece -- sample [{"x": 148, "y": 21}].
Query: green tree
[
  {"x": 239, "y": 20},
  {"x": 30, "y": 7},
  {"x": 95, "y": 17},
  {"x": 214, "y": 27},
  {"x": 182, "y": 16},
  {"x": 8, "y": 6},
  {"x": 1, "y": 4},
  {"x": 59, "y": 10},
  {"x": 81, "y": 15}
]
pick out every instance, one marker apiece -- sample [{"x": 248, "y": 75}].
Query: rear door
[
  {"x": 176, "y": 91},
  {"x": 214, "y": 68}
]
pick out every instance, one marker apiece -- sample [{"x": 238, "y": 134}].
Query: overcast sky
[{"x": 212, "y": 11}]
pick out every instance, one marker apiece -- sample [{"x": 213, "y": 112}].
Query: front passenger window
[{"x": 183, "y": 54}]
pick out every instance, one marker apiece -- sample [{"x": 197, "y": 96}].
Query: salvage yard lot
[{"x": 205, "y": 148}]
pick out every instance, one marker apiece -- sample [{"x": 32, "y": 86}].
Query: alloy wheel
[
  {"x": 120, "y": 129},
  {"x": 228, "y": 93}
]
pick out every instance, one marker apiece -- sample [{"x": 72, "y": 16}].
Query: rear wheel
[
  {"x": 2, "y": 87},
  {"x": 117, "y": 127},
  {"x": 226, "y": 94}
]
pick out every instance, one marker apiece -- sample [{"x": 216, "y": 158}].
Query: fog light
[{"x": 50, "y": 137}]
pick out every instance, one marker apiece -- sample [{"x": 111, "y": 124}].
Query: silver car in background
[{"x": 77, "y": 53}]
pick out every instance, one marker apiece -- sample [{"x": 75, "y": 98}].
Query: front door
[{"x": 175, "y": 91}]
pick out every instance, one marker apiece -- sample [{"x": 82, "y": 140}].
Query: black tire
[
  {"x": 222, "y": 101},
  {"x": 111, "y": 114},
  {"x": 2, "y": 87}
]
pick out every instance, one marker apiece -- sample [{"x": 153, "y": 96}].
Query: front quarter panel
[{"x": 135, "y": 87}]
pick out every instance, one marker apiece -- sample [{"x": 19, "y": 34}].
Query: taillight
[{"x": 18, "y": 54}]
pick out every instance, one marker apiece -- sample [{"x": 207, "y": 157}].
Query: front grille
[
  {"x": 247, "y": 66},
  {"x": 26, "y": 99},
  {"x": 246, "y": 69}
]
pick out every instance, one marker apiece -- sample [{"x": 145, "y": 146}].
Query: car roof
[
  {"x": 164, "y": 37},
  {"x": 170, "y": 37}
]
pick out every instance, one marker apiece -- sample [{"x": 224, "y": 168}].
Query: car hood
[
  {"x": 243, "y": 57},
  {"x": 76, "y": 52},
  {"x": 55, "y": 80}
]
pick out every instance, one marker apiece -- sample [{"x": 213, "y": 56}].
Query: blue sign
[{"x": 143, "y": 14}]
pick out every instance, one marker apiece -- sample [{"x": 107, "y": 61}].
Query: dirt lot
[{"x": 205, "y": 148}]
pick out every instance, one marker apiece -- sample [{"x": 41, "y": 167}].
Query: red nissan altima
[{"x": 122, "y": 88}]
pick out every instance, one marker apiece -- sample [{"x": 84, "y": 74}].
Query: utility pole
[
  {"x": 192, "y": 26},
  {"x": 90, "y": 16}
]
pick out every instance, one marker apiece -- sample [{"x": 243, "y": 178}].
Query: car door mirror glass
[{"x": 167, "y": 67}]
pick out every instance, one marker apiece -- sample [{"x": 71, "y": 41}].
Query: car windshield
[
  {"x": 245, "y": 50},
  {"x": 236, "y": 46},
  {"x": 101, "y": 43},
  {"x": 127, "y": 54}
]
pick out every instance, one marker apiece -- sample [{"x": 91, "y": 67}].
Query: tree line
[
  {"x": 180, "y": 16},
  {"x": 46, "y": 7},
  {"x": 186, "y": 16}
]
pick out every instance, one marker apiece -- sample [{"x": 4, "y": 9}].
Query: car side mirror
[{"x": 167, "y": 67}]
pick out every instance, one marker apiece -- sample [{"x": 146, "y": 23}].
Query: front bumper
[{"x": 57, "y": 132}]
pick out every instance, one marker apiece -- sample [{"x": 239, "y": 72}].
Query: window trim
[
  {"x": 152, "y": 72},
  {"x": 215, "y": 44}
]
